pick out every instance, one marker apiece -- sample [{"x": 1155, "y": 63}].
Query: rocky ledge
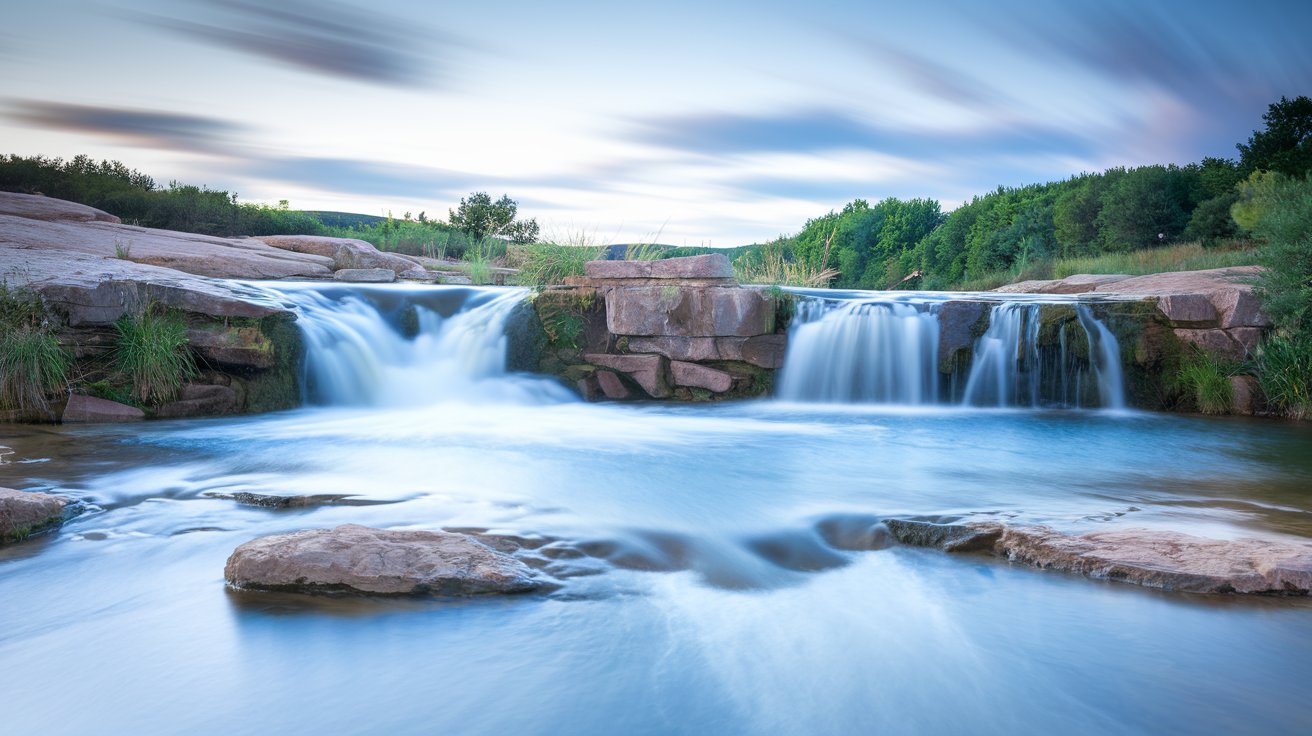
[
  {"x": 1152, "y": 558},
  {"x": 361, "y": 560},
  {"x": 680, "y": 328},
  {"x": 23, "y": 514}
]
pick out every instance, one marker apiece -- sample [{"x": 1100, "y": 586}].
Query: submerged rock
[
  {"x": 23, "y": 514},
  {"x": 358, "y": 559},
  {"x": 274, "y": 501},
  {"x": 96, "y": 410}
]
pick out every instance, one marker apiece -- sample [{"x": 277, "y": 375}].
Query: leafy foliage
[
  {"x": 480, "y": 217},
  {"x": 1285, "y": 146}
]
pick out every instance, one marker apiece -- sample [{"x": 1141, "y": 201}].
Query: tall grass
[
  {"x": 1285, "y": 373},
  {"x": 547, "y": 263},
  {"x": 1183, "y": 257},
  {"x": 32, "y": 363},
  {"x": 152, "y": 351},
  {"x": 771, "y": 264},
  {"x": 1206, "y": 380}
]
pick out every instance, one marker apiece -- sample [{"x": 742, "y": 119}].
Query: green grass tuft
[
  {"x": 152, "y": 351},
  {"x": 32, "y": 366},
  {"x": 1206, "y": 380},
  {"x": 1285, "y": 373}
]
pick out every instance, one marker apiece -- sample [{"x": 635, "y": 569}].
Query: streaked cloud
[
  {"x": 374, "y": 178},
  {"x": 325, "y": 37},
  {"x": 152, "y": 128}
]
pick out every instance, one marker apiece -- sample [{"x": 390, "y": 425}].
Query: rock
[
  {"x": 243, "y": 347},
  {"x": 700, "y": 376},
  {"x": 346, "y": 253},
  {"x": 366, "y": 275},
  {"x": 689, "y": 311},
  {"x": 272, "y": 501},
  {"x": 1188, "y": 310},
  {"x": 1236, "y": 344},
  {"x": 589, "y": 387},
  {"x": 710, "y": 266},
  {"x": 358, "y": 559},
  {"x": 39, "y": 207},
  {"x": 1246, "y": 395},
  {"x": 23, "y": 514},
  {"x": 648, "y": 371},
  {"x": 1168, "y": 560},
  {"x": 95, "y": 410},
  {"x": 200, "y": 401},
  {"x": 1240, "y": 308},
  {"x": 765, "y": 351},
  {"x": 1077, "y": 284},
  {"x": 946, "y": 536},
  {"x": 958, "y": 328},
  {"x": 611, "y": 386}
]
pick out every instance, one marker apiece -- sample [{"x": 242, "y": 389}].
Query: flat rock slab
[
  {"x": 700, "y": 376},
  {"x": 1149, "y": 557},
  {"x": 366, "y": 275},
  {"x": 648, "y": 371},
  {"x": 362, "y": 560},
  {"x": 23, "y": 513},
  {"x": 765, "y": 351},
  {"x": 38, "y": 207},
  {"x": 710, "y": 266}
]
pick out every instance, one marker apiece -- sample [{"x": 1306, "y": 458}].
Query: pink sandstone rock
[
  {"x": 710, "y": 266},
  {"x": 611, "y": 386},
  {"x": 689, "y": 311},
  {"x": 90, "y": 409},
  {"x": 700, "y": 376},
  {"x": 648, "y": 371}
]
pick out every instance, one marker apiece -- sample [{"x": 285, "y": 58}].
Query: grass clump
[
  {"x": 772, "y": 264},
  {"x": 33, "y": 365},
  {"x": 550, "y": 263},
  {"x": 1206, "y": 379},
  {"x": 152, "y": 351},
  {"x": 1285, "y": 374}
]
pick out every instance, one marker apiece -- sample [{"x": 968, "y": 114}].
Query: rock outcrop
[
  {"x": 678, "y": 328},
  {"x": 361, "y": 560},
  {"x": 1149, "y": 557},
  {"x": 90, "y": 409},
  {"x": 23, "y": 514}
]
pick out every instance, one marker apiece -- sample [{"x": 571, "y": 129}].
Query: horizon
[{"x": 750, "y": 124}]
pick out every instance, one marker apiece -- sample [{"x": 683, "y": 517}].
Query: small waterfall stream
[
  {"x": 398, "y": 346},
  {"x": 885, "y": 349}
]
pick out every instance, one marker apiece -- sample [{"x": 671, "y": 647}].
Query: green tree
[
  {"x": 1285, "y": 146},
  {"x": 1145, "y": 207},
  {"x": 478, "y": 216}
]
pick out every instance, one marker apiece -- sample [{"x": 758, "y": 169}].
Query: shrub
[
  {"x": 1285, "y": 373},
  {"x": 152, "y": 351}
]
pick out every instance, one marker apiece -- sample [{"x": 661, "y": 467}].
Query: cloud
[
  {"x": 151, "y": 128},
  {"x": 355, "y": 176},
  {"x": 325, "y": 38}
]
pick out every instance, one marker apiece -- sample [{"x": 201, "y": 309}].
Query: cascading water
[
  {"x": 398, "y": 346},
  {"x": 884, "y": 349},
  {"x": 868, "y": 352}
]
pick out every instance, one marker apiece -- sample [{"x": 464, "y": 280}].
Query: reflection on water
[{"x": 755, "y": 624}]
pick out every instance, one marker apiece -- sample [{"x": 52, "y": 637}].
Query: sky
[{"x": 693, "y": 123}]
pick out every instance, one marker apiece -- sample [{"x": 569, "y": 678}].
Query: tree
[
  {"x": 1286, "y": 144},
  {"x": 480, "y": 217}
]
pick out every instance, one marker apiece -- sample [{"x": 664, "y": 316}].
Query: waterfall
[
  {"x": 865, "y": 352},
  {"x": 401, "y": 346},
  {"x": 884, "y": 349}
]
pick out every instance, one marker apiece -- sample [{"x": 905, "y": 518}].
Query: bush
[
  {"x": 1285, "y": 372},
  {"x": 152, "y": 352}
]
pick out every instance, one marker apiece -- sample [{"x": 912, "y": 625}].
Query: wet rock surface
[
  {"x": 93, "y": 410},
  {"x": 23, "y": 514},
  {"x": 361, "y": 560},
  {"x": 271, "y": 501},
  {"x": 1153, "y": 558}
]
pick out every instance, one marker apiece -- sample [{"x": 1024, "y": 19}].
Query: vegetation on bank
[
  {"x": 152, "y": 352},
  {"x": 33, "y": 365}
]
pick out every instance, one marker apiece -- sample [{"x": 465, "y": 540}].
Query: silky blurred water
[{"x": 720, "y": 608}]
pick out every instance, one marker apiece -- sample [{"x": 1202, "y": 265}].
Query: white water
[
  {"x": 871, "y": 348},
  {"x": 358, "y": 353}
]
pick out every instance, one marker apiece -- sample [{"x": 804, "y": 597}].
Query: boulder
[
  {"x": 362, "y": 560},
  {"x": 611, "y": 386},
  {"x": 40, "y": 207},
  {"x": 1236, "y": 344},
  {"x": 710, "y": 266},
  {"x": 765, "y": 351},
  {"x": 958, "y": 327},
  {"x": 229, "y": 345},
  {"x": 274, "y": 501},
  {"x": 91, "y": 409},
  {"x": 346, "y": 253},
  {"x": 1188, "y": 310},
  {"x": 700, "y": 376},
  {"x": 23, "y": 514},
  {"x": 366, "y": 275},
  {"x": 698, "y": 311},
  {"x": 648, "y": 371},
  {"x": 200, "y": 400},
  {"x": 1240, "y": 308},
  {"x": 947, "y": 536}
]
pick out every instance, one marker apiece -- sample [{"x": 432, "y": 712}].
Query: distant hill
[{"x": 343, "y": 219}]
